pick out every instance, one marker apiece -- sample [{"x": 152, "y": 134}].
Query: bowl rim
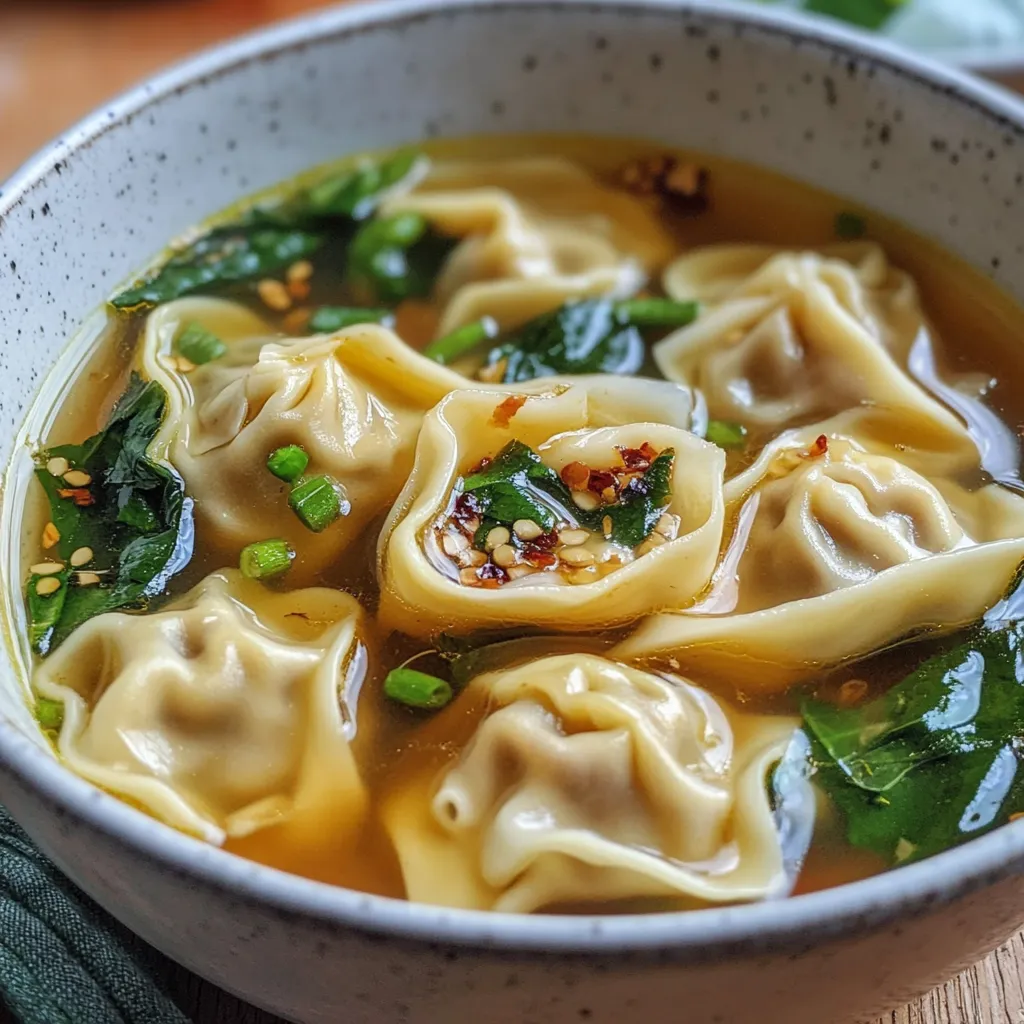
[{"x": 701, "y": 934}]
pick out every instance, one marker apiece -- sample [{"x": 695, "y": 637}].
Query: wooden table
[{"x": 60, "y": 59}]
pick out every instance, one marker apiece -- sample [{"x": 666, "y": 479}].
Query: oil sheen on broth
[{"x": 542, "y": 524}]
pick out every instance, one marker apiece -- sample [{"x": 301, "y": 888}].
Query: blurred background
[{"x": 61, "y": 58}]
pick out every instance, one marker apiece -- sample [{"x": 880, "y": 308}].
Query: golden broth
[{"x": 980, "y": 330}]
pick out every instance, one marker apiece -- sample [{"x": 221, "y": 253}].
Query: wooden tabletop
[{"x": 59, "y": 59}]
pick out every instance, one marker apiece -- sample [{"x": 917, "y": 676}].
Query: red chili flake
[
  {"x": 820, "y": 447},
  {"x": 601, "y": 480},
  {"x": 575, "y": 476},
  {"x": 539, "y": 559},
  {"x": 637, "y": 458},
  {"x": 466, "y": 508},
  {"x": 545, "y": 542},
  {"x": 81, "y": 496},
  {"x": 491, "y": 575},
  {"x": 481, "y": 465},
  {"x": 502, "y": 415}
]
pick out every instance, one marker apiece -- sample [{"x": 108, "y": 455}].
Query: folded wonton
[
  {"x": 229, "y": 711},
  {"x": 535, "y": 232},
  {"x": 589, "y": 782},
  {"x": 787, "y": 337},
  {"x": 842, "y": 544},
  {"x": 449, "y": 560},
  {"x": 353, "y": 401}
]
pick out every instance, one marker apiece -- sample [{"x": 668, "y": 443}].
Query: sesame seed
[
  {"x": 584, "y": 575},
  {"x": 77, "y": 478},
  {"x": 586, "y": 500},
  {"x": 80, "y": 557},
  {"x": 86, "y": 579},
  {"x": 497, "y": 537},
  {"x": 274, "y": 295},
  {"x": 47, "y": 585},
  {"x": 505, "y": 556},
  {"x": 183, "y": 365},
  {"x": 577, "y": 557},
  {"x": 526, "y": 529},
  {"x": 609, "y": 494},
  {"x": 517, "y": 572},
  {"x": 453, "y": 543},
  {"x": 606, "y": 526},
  {"x": 57, "y": 466},
  {"x": 45, "y": 568},
  {"x": 473, "y": 558},
  {"x": 301, "y": 270},
  {"x": 51, "y": 535},
  {"x": 572, "y": 538},
  {"x": 468, "y": 577}
]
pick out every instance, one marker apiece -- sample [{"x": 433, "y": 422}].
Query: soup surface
[{"x": 542, "y": 524}]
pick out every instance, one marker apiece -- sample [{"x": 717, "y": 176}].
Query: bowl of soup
[{"x": 516, "y": 510}]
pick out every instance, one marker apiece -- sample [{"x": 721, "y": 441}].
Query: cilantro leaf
[{"x": 866, "y": 13}]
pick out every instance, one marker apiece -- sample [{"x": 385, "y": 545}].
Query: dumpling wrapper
[
  {"x": 353, "y": 401},
  {"x": 590, "y": 782},
  {"x": 565, "y": 425},
  {"x": 535, "y": 233},
  {"x": 839, "y": 555},
  {"x": 229, "y": 711},
  {"x": 787, "y": 337}
]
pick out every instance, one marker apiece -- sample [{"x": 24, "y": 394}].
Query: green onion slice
[
  {"x": 288, "y": 463},
  {"x": 417, "y": 689},
  {"x": 462, "y": 340},
  {"x": 50, "y": 713},
  {"x": 265, "y": 559},
  {"x": 318, "y": 502},
  {"x": 198, "y": 345},
  {"x": 657, "y": 312},
  {"x": 726, "y": 434},
  {"x": 328, "y": 319}
]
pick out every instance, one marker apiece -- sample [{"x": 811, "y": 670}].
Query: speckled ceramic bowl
[{"x": 929, "y": 146}]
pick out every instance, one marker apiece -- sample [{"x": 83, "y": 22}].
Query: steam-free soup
[{"x": 542, "y": 525}]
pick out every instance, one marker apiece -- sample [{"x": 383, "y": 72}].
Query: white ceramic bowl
[{"x": 927, "y": 145}]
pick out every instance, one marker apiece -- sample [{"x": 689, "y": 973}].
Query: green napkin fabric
[{"x": 62, "y": 959}]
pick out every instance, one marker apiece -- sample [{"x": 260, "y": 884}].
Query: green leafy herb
[
  {"x": 850, "y": 226},
  {"x": 134, "y": 515},
  {"x": 516, "y": 484},
  {"x": 288, "y": 463},
  {"x": 265, "y": 559},
  {"x": 328, "y": 319},
  {"x": 587, "y": 336},
  {"x": 461, "y": 341},
  {"x": 726, "y": 434},
  {"x": 417, "y": 689},
  {"x": 265, "y": 240},
  {"x": 318, "y": 502},
  {"x": 357, "y": 193},
  {"x": 50, "y": 713},
  {"x": 936, "y": 760},
  {"x": 395, "y": 258},
  {"x": 866, "y": 13},
  {"x": 224, "y": 256},
  {"x": 198, "y": 345}
]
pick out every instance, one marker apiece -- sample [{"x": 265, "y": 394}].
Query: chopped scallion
[
  {"x": 288, "y": 463},
  {"x": 417, "y": 689},
  {"x": 657, "y": 312},
  {"x": 198, "y": 345},
  {"x": 462, "y": 340},
  {"x": 726, "y": 434},
  {"x": 265, "y": 558},
  {"x": 50, "y": 713},
  {"x": 850, "y": 226},
  {"x": 328, "y": 319},
  {"x": 318, "y": 502}
]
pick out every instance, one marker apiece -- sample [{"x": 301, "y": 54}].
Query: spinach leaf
[
  {"x": 936, "y": 760},
  {"x": 395, "y": 258},
  {"x": 265, "y": 240},
  {"x": 866, "y": 13},
  {"x": 586, "y": 336},
  {"x": 133, "y": 515},
  {"x": 224, "y": 256},
  {"x": 516, "y": 484}
]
